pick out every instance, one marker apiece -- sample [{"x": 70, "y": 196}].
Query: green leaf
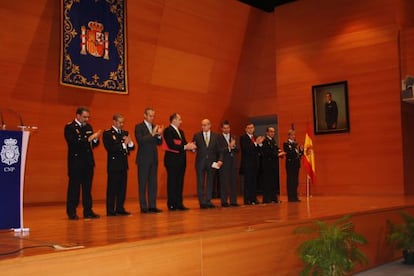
[{"x": 333, "y": 251}]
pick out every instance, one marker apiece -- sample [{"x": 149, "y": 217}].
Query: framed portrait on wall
[{"x": 330, "y": 108}]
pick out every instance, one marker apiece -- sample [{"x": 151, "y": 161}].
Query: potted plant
[
  {"x": 401, "y": 236},
  {"x": 333, "y": 251}
]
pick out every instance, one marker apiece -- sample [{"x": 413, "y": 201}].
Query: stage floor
[{"x": 50, "y": 229}]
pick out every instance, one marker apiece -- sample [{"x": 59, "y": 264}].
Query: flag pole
[{"x": 307, "y": 186}]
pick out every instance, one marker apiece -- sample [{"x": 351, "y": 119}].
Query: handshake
[{"x": 190, "y": 146}]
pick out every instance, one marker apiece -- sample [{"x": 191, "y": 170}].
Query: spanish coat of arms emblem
[
  {"x": 10, "y": 152},
  {"x": 94, "y": 40}
]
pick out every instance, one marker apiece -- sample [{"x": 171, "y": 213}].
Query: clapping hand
[
  {"x": 157, "y": 130},
  {"x": 232, "y": 144},
  {"x": 94, "y": 136},
  {"x": 160, "y": 129},
  {"x": 260, "y": 139},
  {"x": 127, "y": 139}
]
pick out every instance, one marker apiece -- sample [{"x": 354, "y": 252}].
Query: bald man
[{"x": 208, "y": 151}]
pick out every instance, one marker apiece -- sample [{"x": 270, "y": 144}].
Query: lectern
[{"x": 13, "y": 145}]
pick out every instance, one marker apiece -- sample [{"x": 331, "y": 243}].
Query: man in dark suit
[
  {"x": 294, "y": 153},
  {"x": 118, "y": 144},
  {"x": 227, "y": 172},
  {"x": 250, "y": 149},
  {"x": 270, "y": 167},
  {"x": 149, "y": 137},
  {"x": 175, "y": 160},
  {"x": 81, "y": 140},
  {"x": 208, "y": 151}
]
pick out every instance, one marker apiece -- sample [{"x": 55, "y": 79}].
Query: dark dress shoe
[
  {"x": 144, "y": 210},
  {"x": 91, "y": 216},
  {"x": 225, "y": 205},
  {"x": 172, "y": 208},
  {"x": 154, "y": 210},
  {"x": 276, "y": 201},
  {"x": 234, "y": 205},
  {"x": 211, "y": 206},
  {"x": 182, "y": 208},
  {"x": 203, "y": 206},
  {"x": 110, "y": 214},
  {"x": 123, "y": 213},
  {"x": 294, "y": 200},
  {"x": 73, "y": 217}
]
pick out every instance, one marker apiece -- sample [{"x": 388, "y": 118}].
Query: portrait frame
[{"x": 330, "y": 113}]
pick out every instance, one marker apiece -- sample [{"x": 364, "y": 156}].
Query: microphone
[
  {"x": 3, "y": 126},
  {"x": 18, "y": 116}
]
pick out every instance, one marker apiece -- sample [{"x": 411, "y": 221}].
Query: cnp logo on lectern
[{"x": 9, "y": 153}]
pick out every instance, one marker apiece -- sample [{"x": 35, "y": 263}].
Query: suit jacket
[
  {"x": 147, "y": 144},
  {"x": 80, "y": 152},
  {"x": 293, "y": 154},
  {"x": 250, "y": 154},
  {"x": 207, "y": 154},
  {"x": 174, "y": 147},
  {"x": 229, "y": 156},
  {"x": 270, "y": 153},
  {"x": 117, "y": 154}
]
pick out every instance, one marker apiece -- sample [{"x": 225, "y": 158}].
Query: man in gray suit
[
  {"x": 228, "y": 172},
  {"x": 208, "y": 151},
  {"x": 149, "y": 137}
]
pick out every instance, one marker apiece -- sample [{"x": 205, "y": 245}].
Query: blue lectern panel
[{"x": 10, "y": 178}]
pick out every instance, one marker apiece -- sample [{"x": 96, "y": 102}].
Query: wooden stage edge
[{"x": 248, "y": 240}]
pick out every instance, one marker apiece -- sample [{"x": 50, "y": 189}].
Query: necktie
[
  {"x": 149, "y": 128},
  {"x": 227, "y": 136},
  {"x": 253, "y": 139},
  {"x": 179, "y": 134},
  {"x": 206, "y": 139}
]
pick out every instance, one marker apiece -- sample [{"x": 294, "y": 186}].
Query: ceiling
[{"x": 265, "y": 5}]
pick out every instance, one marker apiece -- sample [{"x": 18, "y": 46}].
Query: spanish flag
[{"x": 309, "y": 160}]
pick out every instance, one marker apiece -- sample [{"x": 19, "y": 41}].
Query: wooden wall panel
[
  {"x": 191, "y": 72},
  {"x": 208, "y": 35},
  {"x": 407, "y": 69},
  {"x": 248, "y": 63},
  {"x": 320, "y": 42}
]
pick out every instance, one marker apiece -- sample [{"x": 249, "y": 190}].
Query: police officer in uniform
[
  {"x": 80, "y": 139},
  {"x": 118, "y": 144},
  {"x": 294, "y": 153},
  {"x": 270, "y": 167}
]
